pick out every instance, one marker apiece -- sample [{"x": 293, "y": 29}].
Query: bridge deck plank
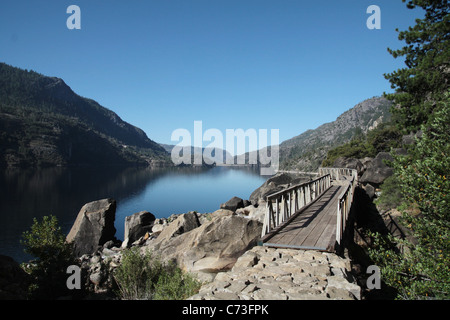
[{"x": 315, "y": 228}]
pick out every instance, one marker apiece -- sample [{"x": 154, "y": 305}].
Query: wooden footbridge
[{"x": 311, "y": 215}]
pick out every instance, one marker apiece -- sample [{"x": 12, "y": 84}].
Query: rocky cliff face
[{"x": 306, "y": 151}]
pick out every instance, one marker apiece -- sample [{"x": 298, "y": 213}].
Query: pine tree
[
  {"x": 427, "y": 58},
  {"x": 420, "y": 268}
]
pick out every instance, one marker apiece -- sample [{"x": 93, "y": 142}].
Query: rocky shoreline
[
  {"x": 219, "y": 248},
  {"x": 284, "y": 274}
]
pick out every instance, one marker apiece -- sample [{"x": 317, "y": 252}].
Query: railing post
[
  {"x": 276, "y": 214},
  {"x": 303, "y": 196},
  {"x": 264, "y": 229},
  {"x": 308, "y": 191},
  {"x": 285, "y": 210},
  {"x": 289, "y": 213},
  {"x": 266, "y": 224},
  {"x": 338, "y": 223},
  {"x": 272, "y": 216}
]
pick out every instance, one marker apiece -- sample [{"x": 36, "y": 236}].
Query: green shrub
[
  {"x": 134, "y": 275},
  {"x": 174, "y": 284},
  {"x": 391, "y": 196},
  {"x": 46, "y": 242},
  {"x": 382, "y": 138},
  {"x": 354, "y": 149},
  {"x": 421, "y": 269},
  {"x": 141, "y": 276}
]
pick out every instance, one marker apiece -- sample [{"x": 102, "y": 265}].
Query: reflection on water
[{"x": 62, "y": 192}]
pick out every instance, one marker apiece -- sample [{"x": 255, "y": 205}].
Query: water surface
[{"x": 25, "y": 194}]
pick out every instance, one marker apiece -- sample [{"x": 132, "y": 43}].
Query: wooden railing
[
  {"x": 338, "y": 173},
  {"x": 291, "y": 200},
  {"x": 344, "y": 204}
]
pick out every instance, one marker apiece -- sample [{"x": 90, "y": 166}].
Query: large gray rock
[
  {"x": 184, "y": 223},
  {"x": 272, "y": 185},
  {"x": 93, "y": 227},
  {"x": 377, "y": 171},
  {"x": 350, "y": 163},
  {"x": 370, "y": 190},
  {"x": 138, "y": 225},
  {"x": 214, "y": 246},
  {"x": 233, "y": 204},
  {"x": 251, "y": 212}
]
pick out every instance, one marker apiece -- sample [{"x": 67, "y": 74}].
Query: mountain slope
[
  {"x": 43, "y": 122},
  {"x": 306, "y": 151}
]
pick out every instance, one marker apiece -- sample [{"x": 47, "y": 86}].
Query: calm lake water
[{"x": 62, "y": 192}]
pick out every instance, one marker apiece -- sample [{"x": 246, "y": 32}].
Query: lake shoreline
[{"x": 32, "y": 193}]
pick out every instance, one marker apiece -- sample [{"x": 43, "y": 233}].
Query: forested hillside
[{"x": 44, "y": 123}]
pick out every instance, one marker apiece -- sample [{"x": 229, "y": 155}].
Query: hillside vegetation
[
  {"x": 44, "y": 123},
  {"x": 381, "y": 139},
  {"x": 306, "y": 151}
]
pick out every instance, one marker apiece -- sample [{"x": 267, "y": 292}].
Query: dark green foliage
[
  {"x": 46, "y": 242},
  {"x": 424, "y": 174},
  {"x": 391, "y": 196},
  {"x": 354, "y": 149},
  {"x": 381, "y": 139},
  {"x": 422, "y": 270}
]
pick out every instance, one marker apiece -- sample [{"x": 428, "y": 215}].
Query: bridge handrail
[
  {"x": 345, "y": 200},
  {"x": 337, "y": 173},
  {"x": 293, "y": 199}
]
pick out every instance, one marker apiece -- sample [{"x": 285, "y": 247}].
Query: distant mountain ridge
[
  {"x": 44, "y": 123},
  {"x": 199, "y": 155},
  {"x": 306, "y": 151}
]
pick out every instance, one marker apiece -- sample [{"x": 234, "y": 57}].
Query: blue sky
[{"x": 290, "y": 65}]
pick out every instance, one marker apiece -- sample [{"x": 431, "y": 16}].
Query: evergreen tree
[
  {"x": 420, "y": 268},
  {"x": 427, "y": 57}
]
